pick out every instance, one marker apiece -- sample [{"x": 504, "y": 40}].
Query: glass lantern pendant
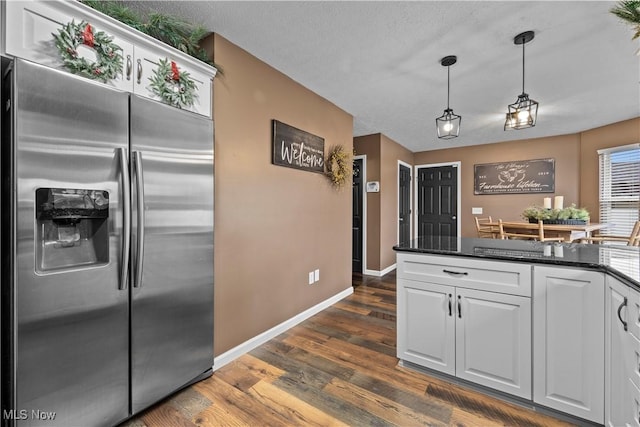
[
  {"x": 523, "y": 113},
  {"x": 448, "y": 125}
]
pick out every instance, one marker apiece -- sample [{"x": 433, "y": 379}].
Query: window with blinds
[{"x": 620, "y": 188}]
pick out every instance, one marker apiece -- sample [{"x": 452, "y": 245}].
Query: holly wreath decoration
[
  {"x": 172, "y": 85},
  {"x": 72, "y": 35}
]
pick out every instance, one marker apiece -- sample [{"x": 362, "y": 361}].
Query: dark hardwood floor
[{"x": 336, "y": 368}]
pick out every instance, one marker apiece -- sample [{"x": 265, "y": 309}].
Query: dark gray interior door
[
  {"x": 404, "y": 201},
  {"x": 438, "y": 201},
  {"x": 356, "y": 260}
]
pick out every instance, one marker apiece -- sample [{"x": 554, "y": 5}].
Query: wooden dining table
[{"x": 570, "y": 232}]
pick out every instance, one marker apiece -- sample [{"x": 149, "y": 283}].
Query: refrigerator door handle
[
  {"x": 137, "y": 167},
  {"x": 126, "y": 218}
]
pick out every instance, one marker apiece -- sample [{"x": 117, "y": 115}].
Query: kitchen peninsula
[{"x": 548, "y": 325}]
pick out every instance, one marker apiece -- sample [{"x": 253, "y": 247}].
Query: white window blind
[{"x": 620, "y": 188}]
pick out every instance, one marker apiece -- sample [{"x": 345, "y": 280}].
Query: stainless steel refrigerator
[{"x": 107, "y": 253}]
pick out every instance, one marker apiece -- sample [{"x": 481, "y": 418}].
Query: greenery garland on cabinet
[
  {"x": 72, "y": 36},
  {"x": 629, "y": 11},
  {"x": 166, "y": 28}
]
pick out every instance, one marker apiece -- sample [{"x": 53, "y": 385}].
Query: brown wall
[
  {"x": 370, "y": 146},
  {"x": 382, "y": 208},
  {"x": 564, "y": 149},
  {"x": 390, "y": 153},
  {"x": 272, "y": 224},
  {"x": 614, "y": 135},
  {"x": 576, "y": 166}
]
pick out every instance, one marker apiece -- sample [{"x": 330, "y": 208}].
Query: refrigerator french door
[{"x": 108, "y": 298}]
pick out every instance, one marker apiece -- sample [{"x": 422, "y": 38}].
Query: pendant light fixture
[
  {"x": 449, "y": 123},
  {"x": 523, "y": 113}
]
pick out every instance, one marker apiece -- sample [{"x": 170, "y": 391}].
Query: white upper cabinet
[
  {"x": 147, "y": 62},
  {"x": 29, "y": 26}
]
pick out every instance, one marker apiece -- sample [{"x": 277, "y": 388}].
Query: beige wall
[
  {"x": 272, "y": 224},
  {"x": 382, "y": 208},
  {"x": 614, "y": 135}
]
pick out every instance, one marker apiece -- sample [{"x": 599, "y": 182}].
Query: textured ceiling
[{"x": 380, "y": 61}]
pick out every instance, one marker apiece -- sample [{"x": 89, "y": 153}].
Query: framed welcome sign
[{"x": 295, "y": 148}]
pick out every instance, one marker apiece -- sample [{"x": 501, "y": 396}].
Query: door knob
[{"x": 453, "y": 217}]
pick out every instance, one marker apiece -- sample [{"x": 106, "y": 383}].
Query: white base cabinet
[
  {"x": 622, "y": 356},
  {"x": 568, "y": 341},
  {"x": 479, "y": 336}
]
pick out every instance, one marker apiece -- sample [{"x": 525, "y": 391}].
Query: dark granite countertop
[{"x": 622, "y": 262}]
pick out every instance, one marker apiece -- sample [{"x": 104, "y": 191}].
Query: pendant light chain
[{"x": 523, "y": 67}]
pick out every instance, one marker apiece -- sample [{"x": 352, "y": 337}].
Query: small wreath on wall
[
  {"x": 73, "y": 37},
  {"x": 171, "y": 85},
  {"x": 339, "y": 166}
]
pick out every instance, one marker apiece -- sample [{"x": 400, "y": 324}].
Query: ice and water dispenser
[{"x": 72, "y": 228}]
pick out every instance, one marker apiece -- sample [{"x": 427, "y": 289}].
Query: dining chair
[
  {"x": 632, "y": 239},
  {"x": 485, "y": 230},
  {"x": 537, "y": 233}
]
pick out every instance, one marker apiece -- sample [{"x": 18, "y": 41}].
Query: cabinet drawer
[{"x": 493, "y": 276}]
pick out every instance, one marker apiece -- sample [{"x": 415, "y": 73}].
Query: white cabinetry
[
  {"x": 568, "y": 341},
  {"x": 446, "y": 323},
  {"x": 27, "y": 32},
  {"x": 622, "y": 356}
]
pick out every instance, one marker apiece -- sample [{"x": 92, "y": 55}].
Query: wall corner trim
[
  {"x": 230, "y": 355},
  {"x": 380, "y": 273}
]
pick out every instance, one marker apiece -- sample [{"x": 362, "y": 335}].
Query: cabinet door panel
[
  {"x": 568, "y": 341},
  {"x": 622, "y": 357},
  {"x": 29, "y": 29},
  {"x": 146, "y": 63},
  {"x": 493, "y": 341},
  {"x": 425, "y": 327}
]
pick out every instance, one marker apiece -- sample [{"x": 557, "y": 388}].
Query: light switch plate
[
  {"x": 476, "y": 211},
  {"x": 317, "y": 274},
  {"x": 311, "y": 277}
]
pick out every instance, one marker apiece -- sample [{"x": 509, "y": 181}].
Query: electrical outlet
[
  {"x": 317, "y": 274},
  {"x": 476, "y": 211},
  {"x": 311, "y": 278}
]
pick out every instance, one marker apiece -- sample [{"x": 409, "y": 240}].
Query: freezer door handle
[
  {"x": 126, "y": 218},
  {"x": 139, "y": 174}
]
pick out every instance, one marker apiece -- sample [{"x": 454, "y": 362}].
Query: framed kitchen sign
[
  {"x": 295, "y": 148},
  {"x": 521, "y": 176}
]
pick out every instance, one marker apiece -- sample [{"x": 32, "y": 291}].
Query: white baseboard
[
  {"x": 380, "y": 273},
  {"x": 247, "y": 346}
]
